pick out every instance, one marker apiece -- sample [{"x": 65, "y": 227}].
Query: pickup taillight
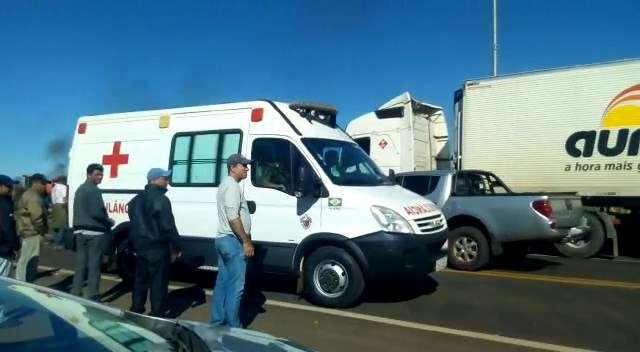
[{"x": 543, "y": 207}]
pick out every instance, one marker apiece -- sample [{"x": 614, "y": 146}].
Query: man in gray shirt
[
  {"x": 233, "y": 244},
  {"x": 91, "y": 224}
]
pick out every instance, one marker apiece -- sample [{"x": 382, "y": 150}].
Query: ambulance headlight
[{"x": 390, "y": 220}]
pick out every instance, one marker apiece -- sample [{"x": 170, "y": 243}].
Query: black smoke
[{"x": 57, "y": 154}]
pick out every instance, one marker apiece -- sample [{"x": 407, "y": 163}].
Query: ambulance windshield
[{"x": 345, "y": 163}]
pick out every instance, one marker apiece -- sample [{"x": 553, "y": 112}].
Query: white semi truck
[
  {"x": 404, "y": 134},
  {"x": 573, "y": 129}
]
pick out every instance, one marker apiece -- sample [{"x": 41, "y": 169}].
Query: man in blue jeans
[{"x": 233, "y": 244}]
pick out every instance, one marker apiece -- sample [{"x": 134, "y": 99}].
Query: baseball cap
[
  {"x": 157, "y": 173},
  {"x": 238, "y": 159},
  {"x": 7, "y": 181},
  {"x": 39, "y": 177}
]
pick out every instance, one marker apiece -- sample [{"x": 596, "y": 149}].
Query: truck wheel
[
  {"x": 333, "y": 278},
  {"x": 468, "y": 248},
  {"x": 588, "y": 246},
  {"x": 125, "y": 261}
]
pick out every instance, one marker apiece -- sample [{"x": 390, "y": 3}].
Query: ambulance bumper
[{"x": 388, "y": 255}]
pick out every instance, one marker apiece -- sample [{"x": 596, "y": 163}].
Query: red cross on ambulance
[{"x": 115, "y": 159}]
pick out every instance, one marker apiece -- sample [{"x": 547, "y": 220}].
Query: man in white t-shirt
[
  {"x": 59, "y": 196},
  {"x": 233, "y": 244}
]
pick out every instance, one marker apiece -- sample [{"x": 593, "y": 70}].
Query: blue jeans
[
  {"x": 58, "y": 237},
  {"x": 227, "y": 294}
]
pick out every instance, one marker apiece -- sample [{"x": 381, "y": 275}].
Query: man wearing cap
[
  {"x": 18, "y": 190},
  {"x": 31, "y": 223},
  {"x": 233, "y": 244},
  {"x": 155, "y": 241},
  {"x": 91, "y": 224},
  {"x": 8, "y": 239}
]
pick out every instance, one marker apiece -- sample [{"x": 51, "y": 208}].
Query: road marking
[
  {"x": 604, "y": 259},
  {"x": 429, "y": 328},
  {"x": 382, "y": 320},
  {"x": 550, "y": 278}
]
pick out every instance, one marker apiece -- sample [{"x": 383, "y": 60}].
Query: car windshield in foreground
[
  {"x": 345, "y": 163},
  {"x": 35, "y": 319}
]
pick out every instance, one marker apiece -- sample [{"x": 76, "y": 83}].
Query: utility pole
[{"x": 495, "y": 38}]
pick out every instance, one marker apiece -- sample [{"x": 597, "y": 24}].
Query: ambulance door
[
  {"x": 280, "y": 220},
  {"x": 200, "y": 144}
]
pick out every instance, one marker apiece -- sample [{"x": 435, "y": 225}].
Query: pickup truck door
[{"x": 507, "y": 217}]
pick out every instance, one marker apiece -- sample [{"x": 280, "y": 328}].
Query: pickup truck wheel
[
  {"x": 587, "y": 246},
  {"x": 468, "y": 248},
  {"x": 333, "y": 278}
]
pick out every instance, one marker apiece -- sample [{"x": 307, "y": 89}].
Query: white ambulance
[{"x": 321, "y": 209}]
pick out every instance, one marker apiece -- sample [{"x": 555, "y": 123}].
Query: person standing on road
[
  {"x": 9, "y": 243},
  {"x": 31, "y": 223},
  {"x": 18, "y": 190},
  {"x": 155, "y": 241},
  {"x": 59, "y": 211},
  {"x": 91, "y": 225},
  {"x": 233, "y": 244}
]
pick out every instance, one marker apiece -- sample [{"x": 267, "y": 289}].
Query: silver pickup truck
[{"x": 486, "y": 218}]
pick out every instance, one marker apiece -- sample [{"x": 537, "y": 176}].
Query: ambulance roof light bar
[{"x": 322, "y": 113}]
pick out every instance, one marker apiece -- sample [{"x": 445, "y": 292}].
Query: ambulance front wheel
[{"x": 332, "y": 278}]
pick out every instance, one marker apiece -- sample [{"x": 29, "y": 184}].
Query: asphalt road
[{"x": 539, "y": 303}]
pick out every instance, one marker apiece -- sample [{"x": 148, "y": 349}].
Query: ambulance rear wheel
[
  {"x": 126, "y": 261},
  {"x": 332, "y": 278}
]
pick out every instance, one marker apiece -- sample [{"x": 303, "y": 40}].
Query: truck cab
[{"x": 404, "y": 134}]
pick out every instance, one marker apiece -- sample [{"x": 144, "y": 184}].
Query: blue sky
[{"x": 63, "y": 59}]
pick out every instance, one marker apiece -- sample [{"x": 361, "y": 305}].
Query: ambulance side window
[{"x": 198, "y": 159}]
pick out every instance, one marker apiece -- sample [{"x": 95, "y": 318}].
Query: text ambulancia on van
[{"x": 321, "y": 209}]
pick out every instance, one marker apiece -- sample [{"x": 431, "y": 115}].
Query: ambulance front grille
[{"x": 431, "y": 224}]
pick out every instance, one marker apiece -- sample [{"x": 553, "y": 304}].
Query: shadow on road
[
  {"x": 392, "y": 291},
  {"x": 185, "y": 298},
  {"x": 63, "y": 285},
  {"x": 523, "y": 264},
  {"x": 252, "y": 305},
  {"x": 43, "y": 273},
  {"x": 117, "y": 291}
]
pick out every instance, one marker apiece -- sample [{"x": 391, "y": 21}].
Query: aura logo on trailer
[{"x": 620, "y": 130}]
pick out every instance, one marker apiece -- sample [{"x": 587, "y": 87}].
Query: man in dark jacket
[
  {"x": 8, "y": 238},
  {"x": 155, "y": 241},
  {"x": 91, "y": 225}
]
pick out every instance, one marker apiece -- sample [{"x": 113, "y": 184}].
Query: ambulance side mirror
[
  {"x": 304, "y": 182},
  {"x": 392, "y": 176}
]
